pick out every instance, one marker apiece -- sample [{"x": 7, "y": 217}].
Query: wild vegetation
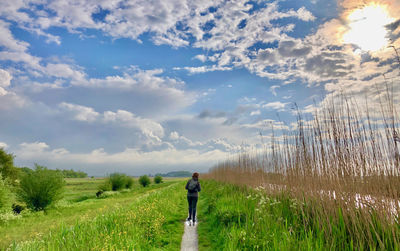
[
  {"x": 158, "y": 179},
  {"x": 40, "y": 188},
  {"x": 331, "y": 181},
  {"x": 116, "y": 221},
  {"x": 144, "y": 180},
  {"x": 116, "y": 182}
]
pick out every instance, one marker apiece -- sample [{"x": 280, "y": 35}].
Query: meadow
[{"x": 140, "y": 218}]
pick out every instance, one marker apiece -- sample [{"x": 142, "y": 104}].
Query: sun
[{"x": 367, "y": 27}]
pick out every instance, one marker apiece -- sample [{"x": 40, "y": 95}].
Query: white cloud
[
  {"x": 309, "y": 109},
  {"x": 3, "y": 145},
  {"x": 128, "y": 119},
  {"x": 174, "y": 135},
  {"x": 13, "y": 49},
  {"x": 151, "y": 130},
  {"x": 304, "y": 14},
  {"x": 35, "y": 147},
  {"x": 201, "y": 57},
  {"x": 267, "y": 124},
  {"x": 275, "y": 105},
  {"x": 79, "y": 112},
  {"x": 254, "y": 113},
  {"x": 10, "y": 100},
  {"x": 203, "y": 69},
  {"x": 61, "y": 70},
  {"x": 273, "y": 89},
  {"x": 8, "y": 41},
  {"x": 5, "y": 79}
]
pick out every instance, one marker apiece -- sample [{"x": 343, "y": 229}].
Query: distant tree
[
  {"x": 41, "y": 187},
  {"x": 144, "y": 180},
  {"x": 158, "y": 179},
  {"x": 7, "y": 168},
  {"x": 72, "y": 174}
]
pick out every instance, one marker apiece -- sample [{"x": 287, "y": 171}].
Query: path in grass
[{"x": 189, "y": 238}]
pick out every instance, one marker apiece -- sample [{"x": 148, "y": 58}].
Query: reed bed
[{"x": 344, "y": 161}]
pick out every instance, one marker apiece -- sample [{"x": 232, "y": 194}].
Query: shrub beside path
[{"x": 189, "y": 238}]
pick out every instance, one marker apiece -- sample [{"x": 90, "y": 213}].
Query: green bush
[
  {"x": 5, "y": 195},
  {"x": 144, "y": 180},
  {"x": 41, "y": 188},
  {"x": 128, "y": 182},
  {"x": 158, "y": 179},
  {"x": 119, "y": 181}
]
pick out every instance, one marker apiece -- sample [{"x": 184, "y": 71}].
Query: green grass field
[{"x": 140, "y": 218}]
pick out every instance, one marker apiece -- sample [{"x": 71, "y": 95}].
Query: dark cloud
[
  {"x": 325, "y": 66},
  {"x": 287, "y": 49},
  {"x": 372, "y": 76},
  {"x": 366, "y": 57},
  {"x": 266, "y": 55},
  {"x": 392, "y": 27},
  {"x": 230, "y": 121},
  {"x": 209, "y": 114}
]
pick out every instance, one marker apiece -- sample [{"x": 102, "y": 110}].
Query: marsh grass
[
  {"x": 242, "y": 218},
  {"x": 342, "y": 164}
]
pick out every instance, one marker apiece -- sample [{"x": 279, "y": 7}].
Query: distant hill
[{"x": 176, "y": 174}]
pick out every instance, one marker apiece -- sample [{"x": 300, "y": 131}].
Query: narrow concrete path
[{"x": 189, "y": 238}]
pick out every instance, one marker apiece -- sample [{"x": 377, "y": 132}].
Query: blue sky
[{"x": 153, "y": 86}]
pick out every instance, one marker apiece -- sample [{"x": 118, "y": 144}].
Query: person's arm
[
  {"x": 199, "y": 187},
  {"x": 187, "y": 184}
]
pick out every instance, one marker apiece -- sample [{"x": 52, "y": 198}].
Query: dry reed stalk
[{"x": 342, "y": 158}]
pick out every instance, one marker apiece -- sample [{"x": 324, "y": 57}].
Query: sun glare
[{"x": 367, "y": 28}]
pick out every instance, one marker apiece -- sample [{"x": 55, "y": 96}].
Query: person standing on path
[{"x": 193, "y": 187}]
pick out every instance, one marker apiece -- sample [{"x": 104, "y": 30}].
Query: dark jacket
[{"x": 195, "y": 193}]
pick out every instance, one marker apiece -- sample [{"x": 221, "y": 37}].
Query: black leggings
[{"x": 192, "y": 207}]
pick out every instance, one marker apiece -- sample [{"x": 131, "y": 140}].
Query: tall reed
[{"x": 345, "y": 160}]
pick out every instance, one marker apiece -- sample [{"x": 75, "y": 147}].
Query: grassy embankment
[
  {"x": 242, "y": 218},
  {"x": 140, "y": 218}
]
